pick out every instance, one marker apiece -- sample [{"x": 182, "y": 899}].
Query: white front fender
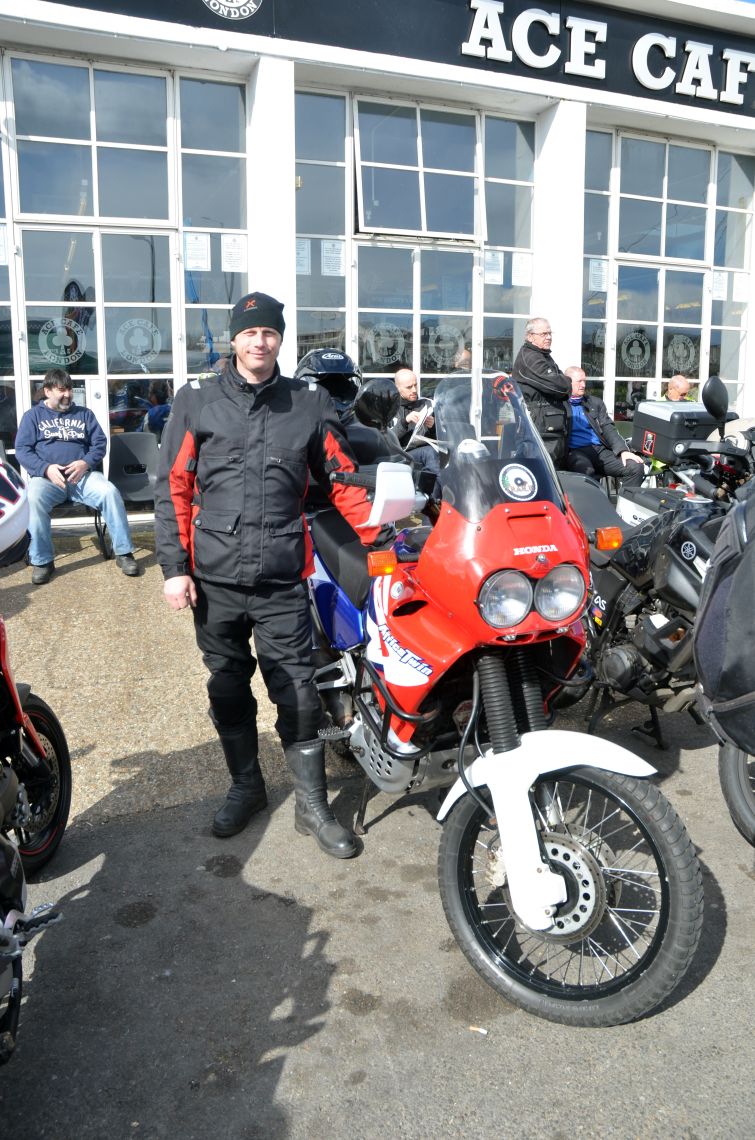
[{"x": 536, "y": 890}]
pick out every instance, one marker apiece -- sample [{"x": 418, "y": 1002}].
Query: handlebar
[{"x": 354, "y": 479}]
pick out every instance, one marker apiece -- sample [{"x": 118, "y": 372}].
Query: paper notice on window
[
  {"x": 3, "y": 245},
  {"x": 333, "y": 259},
  {"x": 303, "y": 257},
  {"x": 740, "y": 290},
  {"x": 197, "y": 253},
  {"x": 521, "y": 270},
  {"x": 598, "y": 275},
  {"x": 719, "y": 285},
  {"x": 494, "y": 267},
  {"x": 233, "y": 253}
]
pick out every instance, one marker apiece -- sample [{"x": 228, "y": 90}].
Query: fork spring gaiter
[
  {"x": 496, "y": 700},
  {"x": 526, "y": 680}
]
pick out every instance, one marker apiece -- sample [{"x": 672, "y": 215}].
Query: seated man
[
  {"x": 595, "y": 446},
  {"x": 408, "y": 415},
  {"x": 677, "y": 388},
  {"x": 59, "y": 444}
]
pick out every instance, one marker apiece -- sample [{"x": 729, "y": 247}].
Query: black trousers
[
  {"x": 225, "y": 619},
  {"x": 602, "y": 461}
]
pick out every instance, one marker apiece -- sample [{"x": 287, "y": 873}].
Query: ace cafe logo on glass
[{"x": 233, "y": 9}]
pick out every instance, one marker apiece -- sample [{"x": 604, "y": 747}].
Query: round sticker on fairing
[{"x": 517, "y": 482}]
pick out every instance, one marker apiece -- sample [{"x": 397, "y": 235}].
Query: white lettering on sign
[{"x": 658, "y": 61}]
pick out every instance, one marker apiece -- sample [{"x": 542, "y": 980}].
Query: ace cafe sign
[{"x": 660, "y": 63}]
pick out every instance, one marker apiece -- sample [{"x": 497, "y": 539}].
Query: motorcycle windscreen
[{"x": 474, "y": 480}]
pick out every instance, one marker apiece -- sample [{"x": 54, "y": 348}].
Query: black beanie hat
[{"x": 255, "y": 311}]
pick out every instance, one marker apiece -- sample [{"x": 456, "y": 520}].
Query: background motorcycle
[
  {"x": 35, "y": 786},
  {"x": 559, "y": 877}
]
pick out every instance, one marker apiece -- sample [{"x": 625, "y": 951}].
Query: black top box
[{"x": 659, "y": 425}]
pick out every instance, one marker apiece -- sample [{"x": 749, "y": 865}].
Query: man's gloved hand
[{"x": 385, "y": 537}]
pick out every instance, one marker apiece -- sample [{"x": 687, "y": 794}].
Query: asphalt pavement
[{"x": 254, "y": 988}]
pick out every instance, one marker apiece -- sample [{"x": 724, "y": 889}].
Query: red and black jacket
[{"x": 233, "y": 474}]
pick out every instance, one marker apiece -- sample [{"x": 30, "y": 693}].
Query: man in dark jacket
[
  {"x": 595, "y": 446},
  {"x": 544, "y": 387},
  {"x": 233, "y": 544},
  {"x": 60, "y": 445}
]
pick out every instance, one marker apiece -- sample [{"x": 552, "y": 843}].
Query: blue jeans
[{"x": 95, "y": 491}]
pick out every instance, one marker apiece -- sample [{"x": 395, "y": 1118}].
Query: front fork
[{"x": 511, "y": 766}]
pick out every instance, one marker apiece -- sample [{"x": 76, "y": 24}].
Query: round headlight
[
  {"x": 560, "y": 593},
  {"x": 505, "y": 599}
]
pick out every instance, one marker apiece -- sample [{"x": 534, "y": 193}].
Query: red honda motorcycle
[{"x": 567, "y": 879}]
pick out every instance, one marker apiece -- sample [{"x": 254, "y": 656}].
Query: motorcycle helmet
[
  {"x": 377, "y": 403},
  {"x": 335, "y": 371},
  {"x": 14, "y": 515}
]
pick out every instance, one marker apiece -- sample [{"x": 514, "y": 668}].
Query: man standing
[
  {"x": 544, "y": 387},
  {"x": 233, "y": 544},
  {"x": 60, "y": 444},
  {"x": 595, "y": 445},
  {"x": 678, "y": 388}
]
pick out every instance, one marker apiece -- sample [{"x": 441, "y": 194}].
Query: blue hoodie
[{"x": 46, "y": 437}]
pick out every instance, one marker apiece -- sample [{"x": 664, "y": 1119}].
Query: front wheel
[
  {"x": 736, "y": 771},
  {"x": 48, "y": 789},
  {"x": 633, "y": 916}
]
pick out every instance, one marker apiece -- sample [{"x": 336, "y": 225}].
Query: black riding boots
[
  {"x": 313, "y": 814},
  {"x": 246, "y": 795}
]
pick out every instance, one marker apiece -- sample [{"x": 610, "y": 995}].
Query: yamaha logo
[{"x": 233, "y": 9}]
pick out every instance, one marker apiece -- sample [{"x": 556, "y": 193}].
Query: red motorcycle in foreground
[
  {"x": 568, "y": 881},
  {"x": 35, "y": 786}
]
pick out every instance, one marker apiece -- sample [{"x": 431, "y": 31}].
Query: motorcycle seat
[{"x": 342, "y": 554}]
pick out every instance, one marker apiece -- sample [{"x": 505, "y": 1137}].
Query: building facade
[{"x": 413, "y": 180}]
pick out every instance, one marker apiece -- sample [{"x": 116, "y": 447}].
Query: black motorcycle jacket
[
  {"x": 546, "y": 390},
  {"x": 233, "y": 476}
]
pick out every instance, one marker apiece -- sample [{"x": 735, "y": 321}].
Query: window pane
[
  {"x": 449, "y": 203},
  {"x": 51, "y": 99},
  {"x": 2, "y": 189},
  {"x": 598, "y": 160},
  {"x": 320, "y": 127},
  {"x": 212, "y": 116},
  {"x": 140, "y": 405},
  {"x": 728, "y": 311},
  {"x": 681, "y": 352},
  {"x": 6, "y": 367},
  {"x": 7, "y": 390},
  {"x": 627, "y": 397},
  {"x": 135, "y": 267},
  {"x": 388, "y": 134},
  {"x": 214, "y": 192},
  {"x": 133, "y": 183},
  {"x": 685, "y": 231},
  {"x": 442, "y": 339},
  {"x": 594, "y": 348},
  {"x": 319, "y": 330},
  {"x": 504, "y": 297},
  {"x": 642, "y": 167},
  {"x": 214, "y": 286},
  {"x": 385, "y": 341},
  {"x": 736, "y": 177},
  {"x": 446, "y": 280},
  {"x": 448, "y": 141},
  {"x": 594, "y": 294},
  {"x": 684, "y": 298},
  {"x": 726, "y": 347},
  {"x": 596, "y": 223},
  {"x": 391, "y": 199},
  {"x": 55, "y": 178},
  {"x": 58, "y": 265},
  {"x": 138, "y": 340},
  {"x": 207, "y": 337},
  {"x": 130, "y": 108},
  {"x": 63, "y": 338},
  {"x": 502, "y": 338},
  {"x": 321, "y": 286},
  {"x": 639, "y": 227},
  {"x": 385, "y": 278},
  {"x": 635, "y": 350},
  {"x": 4, "y": 284},
  {"x": 509, "y": 149},
  {"x": 732, "y": 240},
  {"x": 320, "y": 204},
  {"x": 688, "y": 173},
  {"x": 509, "y": 210},
  {"x": 638, "y": 293}
]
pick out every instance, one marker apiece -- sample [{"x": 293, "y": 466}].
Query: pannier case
[{"x": 659, "y": 425}]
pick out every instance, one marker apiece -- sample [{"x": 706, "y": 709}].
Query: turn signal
[
  {"x": 608, "y": 538},
  {"x": 381, "y": 562}
]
